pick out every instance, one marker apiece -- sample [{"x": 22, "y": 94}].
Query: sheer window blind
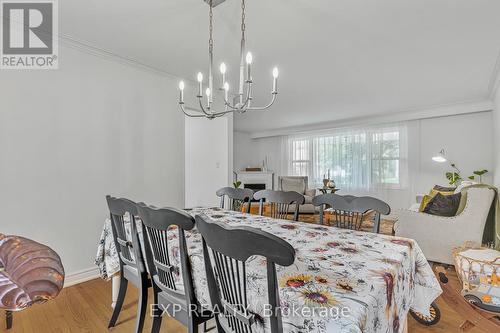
[{"x": 359, "y": 158}]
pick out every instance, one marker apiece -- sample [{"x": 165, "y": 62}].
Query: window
[
  {"x": 300, "y": 157},
  {"x": 355, "y": 158}
]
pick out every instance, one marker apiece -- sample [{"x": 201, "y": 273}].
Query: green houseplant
[
  {"x": 453, "y": 177},
  {"x": 237, "y": 203},
  {"x": 478, "y": 173}
]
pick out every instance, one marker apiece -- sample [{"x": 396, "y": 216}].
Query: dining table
[{"x": 341, "y": 280}]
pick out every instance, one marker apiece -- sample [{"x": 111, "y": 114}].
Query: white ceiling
[{"x": 337, "y": 58}]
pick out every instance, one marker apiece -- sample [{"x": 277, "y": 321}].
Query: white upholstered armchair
[
  {"x": 299, "y": 184},
  {"x": 437, "y": 235}
]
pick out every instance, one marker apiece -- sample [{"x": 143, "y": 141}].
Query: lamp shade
[{"x": 440, "y": 157}]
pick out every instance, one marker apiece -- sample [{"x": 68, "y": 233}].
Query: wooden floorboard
[{"x": 86, "y": 308}]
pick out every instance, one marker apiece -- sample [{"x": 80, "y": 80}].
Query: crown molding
[
  {"x": 426, "y": 113},
  {"x": 91, "y": 49},
  {"x": 494, "y": 84}
]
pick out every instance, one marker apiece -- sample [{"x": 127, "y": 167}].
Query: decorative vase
[
  {"x": 331, "y": 184},
  {"x": 325, "y": 182}
]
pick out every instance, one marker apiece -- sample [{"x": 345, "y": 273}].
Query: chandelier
[{"x": 242, "y": 101}]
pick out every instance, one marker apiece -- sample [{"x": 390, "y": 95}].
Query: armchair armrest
[
  {"x": 435, "y": 235},
  {"x": 412, "y": 222}
]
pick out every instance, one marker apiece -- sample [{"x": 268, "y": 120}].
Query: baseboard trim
[{"x": 81, "y": 276}]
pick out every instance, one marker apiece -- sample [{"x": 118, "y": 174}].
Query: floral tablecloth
[{"x": 374, "y": 279}]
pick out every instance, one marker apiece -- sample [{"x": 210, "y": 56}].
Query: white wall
[
  {"x": 69, "y": 137},
  {"x": 208, "y": 159},
  {"x": 467, "y": 140},
  {"x": 251, "y": 153}
]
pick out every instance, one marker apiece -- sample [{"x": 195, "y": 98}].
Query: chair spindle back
[
  {"x": 237, "y": 196},
  {"x": 157, "y": 223},
  {"x": 226, "y": 251},
  {"x": 349, "y": 211},
  {"x": 127, "y": 245},
  {"x": 280, "y": 202}
]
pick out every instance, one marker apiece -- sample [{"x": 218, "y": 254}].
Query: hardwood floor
[{"x": 86, "y": 308}]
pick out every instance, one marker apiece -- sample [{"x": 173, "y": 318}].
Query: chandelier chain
[
  {"x": 243, "y": 17},
  {"x": 211, "y": 29}
]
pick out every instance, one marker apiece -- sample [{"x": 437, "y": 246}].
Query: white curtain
[{"x": 355, "y": 158}]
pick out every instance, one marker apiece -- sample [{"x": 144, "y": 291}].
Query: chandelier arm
[
  {"x": 203, "y": 109},
  {"x": 189, "y": 108},
  {"x": 243, "y": 105},
  {"x": 248, "y": 98},
  {"x": 236, "y": 108},
  {"x": 223, "y": 113},
  {"x": 226, "y": 103},
  {"x": 190, "y": 115},
  {"x": 264, "y": 107}
]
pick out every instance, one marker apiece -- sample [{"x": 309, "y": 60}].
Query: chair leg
[
  {"x": 142, "y": 306},
  {"x": 8, "y": 319},
  {"x": 119, "y": 302},
  {"x": 156, "y": 324},
  {"x": 157, "y": 311},
  {"x": 192, "y": 326}
]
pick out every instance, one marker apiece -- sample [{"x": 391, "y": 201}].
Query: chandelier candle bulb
[
  {"x": 223, "y": 70},
  {"x": 249, "y": 66},
  {"x": 226, "y": 91},
  {"x": 181, "y": 92},
  {"x": 249, "y": 58},
  {"x": 275, "y": 81},
  {"x": 200, "y": 84},
  {"x": 207, "y": 92},
  {"x": 276, "y": 72}
]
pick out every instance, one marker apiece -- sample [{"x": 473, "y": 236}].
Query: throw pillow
[
  {"x": 443, "y": 205},
  {"x": 443, "y": 190},
  {"x": 425, "y": 200}
]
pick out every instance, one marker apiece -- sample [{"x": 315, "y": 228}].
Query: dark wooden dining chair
[
  {"x": 225, "y": 252},
  {"x": 348, "y": 211},
  {"x": 132, "y": 265},
  {"x": 167, "y": 295},
  {"x": 280, "y": 203},
  {"x": 236, "y": 196}
]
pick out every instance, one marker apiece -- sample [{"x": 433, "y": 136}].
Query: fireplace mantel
[{"x": 256, "y": 177}]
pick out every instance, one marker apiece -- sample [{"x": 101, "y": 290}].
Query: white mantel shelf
[{"x": 256, "y": 177}]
